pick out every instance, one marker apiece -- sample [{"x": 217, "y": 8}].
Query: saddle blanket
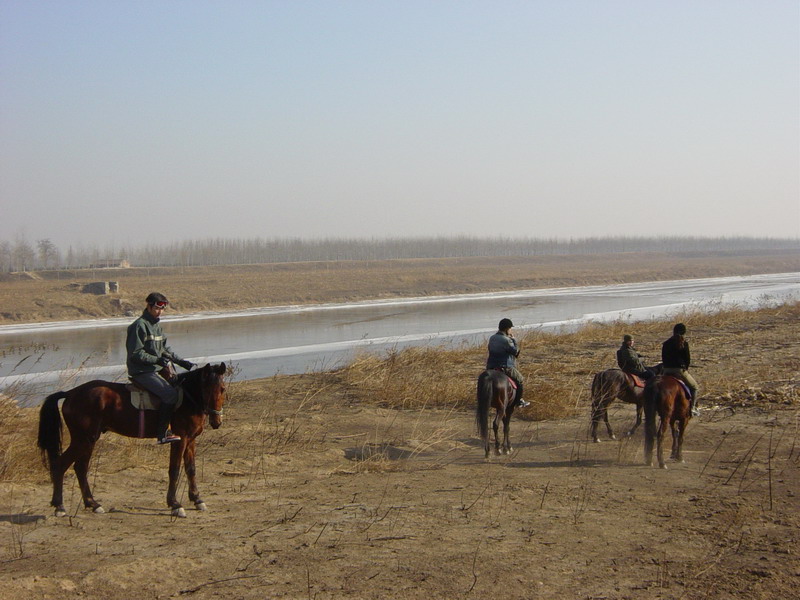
[
  {"x": 683, "y": 385},
  {"x": 510, "y": 380}
]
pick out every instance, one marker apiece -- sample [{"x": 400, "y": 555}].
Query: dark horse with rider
[{"x": 171, "y": 408}]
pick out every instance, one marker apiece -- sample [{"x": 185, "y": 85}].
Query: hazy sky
[{"x": 150, "y": 121}]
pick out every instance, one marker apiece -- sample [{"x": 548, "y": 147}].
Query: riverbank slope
[{"x": 58, "y": 295}]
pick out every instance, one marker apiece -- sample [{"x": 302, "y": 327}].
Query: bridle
[{"x": 205, "y": 403}]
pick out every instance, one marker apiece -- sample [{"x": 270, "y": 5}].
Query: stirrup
[{"x": 168, "y": 438}]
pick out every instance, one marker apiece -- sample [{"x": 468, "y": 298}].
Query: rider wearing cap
[
  {"x": 676, "y": 358},
  {"x": 503, "y": 353},
  {"x": 148, "y": 353},
  {"x": 629, "y": 360}
]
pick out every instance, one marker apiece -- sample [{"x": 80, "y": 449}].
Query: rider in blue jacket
[{"x": 503, "y": 353}]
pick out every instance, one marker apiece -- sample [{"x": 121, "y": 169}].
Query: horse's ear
[{"x": 221, "y": 368}]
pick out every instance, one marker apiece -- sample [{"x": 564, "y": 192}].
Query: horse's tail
[
  {"x": 484, "y": 403},
  {"x": 50, "y": 429},
  {"x": 652, "y": 397}
]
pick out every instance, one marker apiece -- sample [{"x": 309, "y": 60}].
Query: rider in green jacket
[{"x": 148, "y": 353}]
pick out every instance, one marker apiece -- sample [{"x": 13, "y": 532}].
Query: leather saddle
[
  {"x": 141, "y": 399},
  {"x": 635, "y": 380}
]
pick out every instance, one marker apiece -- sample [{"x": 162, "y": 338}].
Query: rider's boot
[
  {"x": 694, "y": 408},
  {"x": 520, "y": 402},
  {"x": 163, "y": 434}
]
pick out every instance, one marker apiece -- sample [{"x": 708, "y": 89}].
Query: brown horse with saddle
[
  {"x": 669, "y": 399},
  {"x": 615, "y": 384},
  {"x": 96, "y": 407}
]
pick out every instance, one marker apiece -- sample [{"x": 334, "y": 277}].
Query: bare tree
[
  {"x": 22, "y": 255},
  {"x": 49, "y": 256}
]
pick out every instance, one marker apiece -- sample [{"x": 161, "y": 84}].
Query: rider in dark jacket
[
  {"x": 629, "y": 360},
  {"x": 503, "y": 353},
  {"x": 148, "y": 354},
  {"x": 676, "y": 358}
]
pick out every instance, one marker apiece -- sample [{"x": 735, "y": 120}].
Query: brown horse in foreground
[
  {"x": 95, "y": 407},
  {"x": 665, "y": 397},
  {"x": 495, "y": 391}
]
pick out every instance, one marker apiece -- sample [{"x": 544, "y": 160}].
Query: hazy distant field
[{"x": 56, "y": 295}]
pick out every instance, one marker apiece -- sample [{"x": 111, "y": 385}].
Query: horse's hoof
[
  {"x": 200, "y": 505},
  {"x": 179, "y": 513},
  {"x": 663, "y": 467},
  {"x": 596, "y": 440},
  {"x": 613, "y": 437},
  {"x": 61, "y": 512},
  {"x": 99, "y": 510}
]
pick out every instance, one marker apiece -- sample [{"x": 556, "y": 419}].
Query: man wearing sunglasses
[{"x": 148, "y": 354}]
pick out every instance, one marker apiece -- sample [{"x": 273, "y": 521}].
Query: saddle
[
  {"x": 141, "y": 399},
  {"x": 635, "y": 380}
]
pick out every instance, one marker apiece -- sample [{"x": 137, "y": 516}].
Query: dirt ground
[
  {"x": 311, "y": 496},
  {"x": 315, "y": 493}
]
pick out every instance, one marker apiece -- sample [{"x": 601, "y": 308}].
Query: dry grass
[{"x": 558, "y": 367}]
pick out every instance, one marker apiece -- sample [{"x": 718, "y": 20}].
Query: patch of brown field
[{"x": 56, "y": 295}]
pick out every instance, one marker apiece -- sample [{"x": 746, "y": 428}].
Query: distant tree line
[{"x": 22, "y": 255}]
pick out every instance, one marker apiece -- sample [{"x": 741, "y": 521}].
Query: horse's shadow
[
  {"x": 380, "y": 451},
  {"x": 142, "y": 511},
  {"x": 586, "y": 463},
  {"x": 21, "y": 519},
  {"x": 477, "y": 443}
]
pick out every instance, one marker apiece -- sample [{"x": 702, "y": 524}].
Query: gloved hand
[
  {"x": 162, "y": 361},
  {"x": 186, "y": 364}
]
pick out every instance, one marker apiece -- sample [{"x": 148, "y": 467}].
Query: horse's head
[{"x": 212, "y": 390}]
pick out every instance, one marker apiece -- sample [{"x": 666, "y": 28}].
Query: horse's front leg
[
  {"x": 176, "y": 453},
  {"x": 191, "y": 475}
]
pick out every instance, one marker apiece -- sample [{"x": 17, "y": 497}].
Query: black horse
[{"x": 495, "y": 390}]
